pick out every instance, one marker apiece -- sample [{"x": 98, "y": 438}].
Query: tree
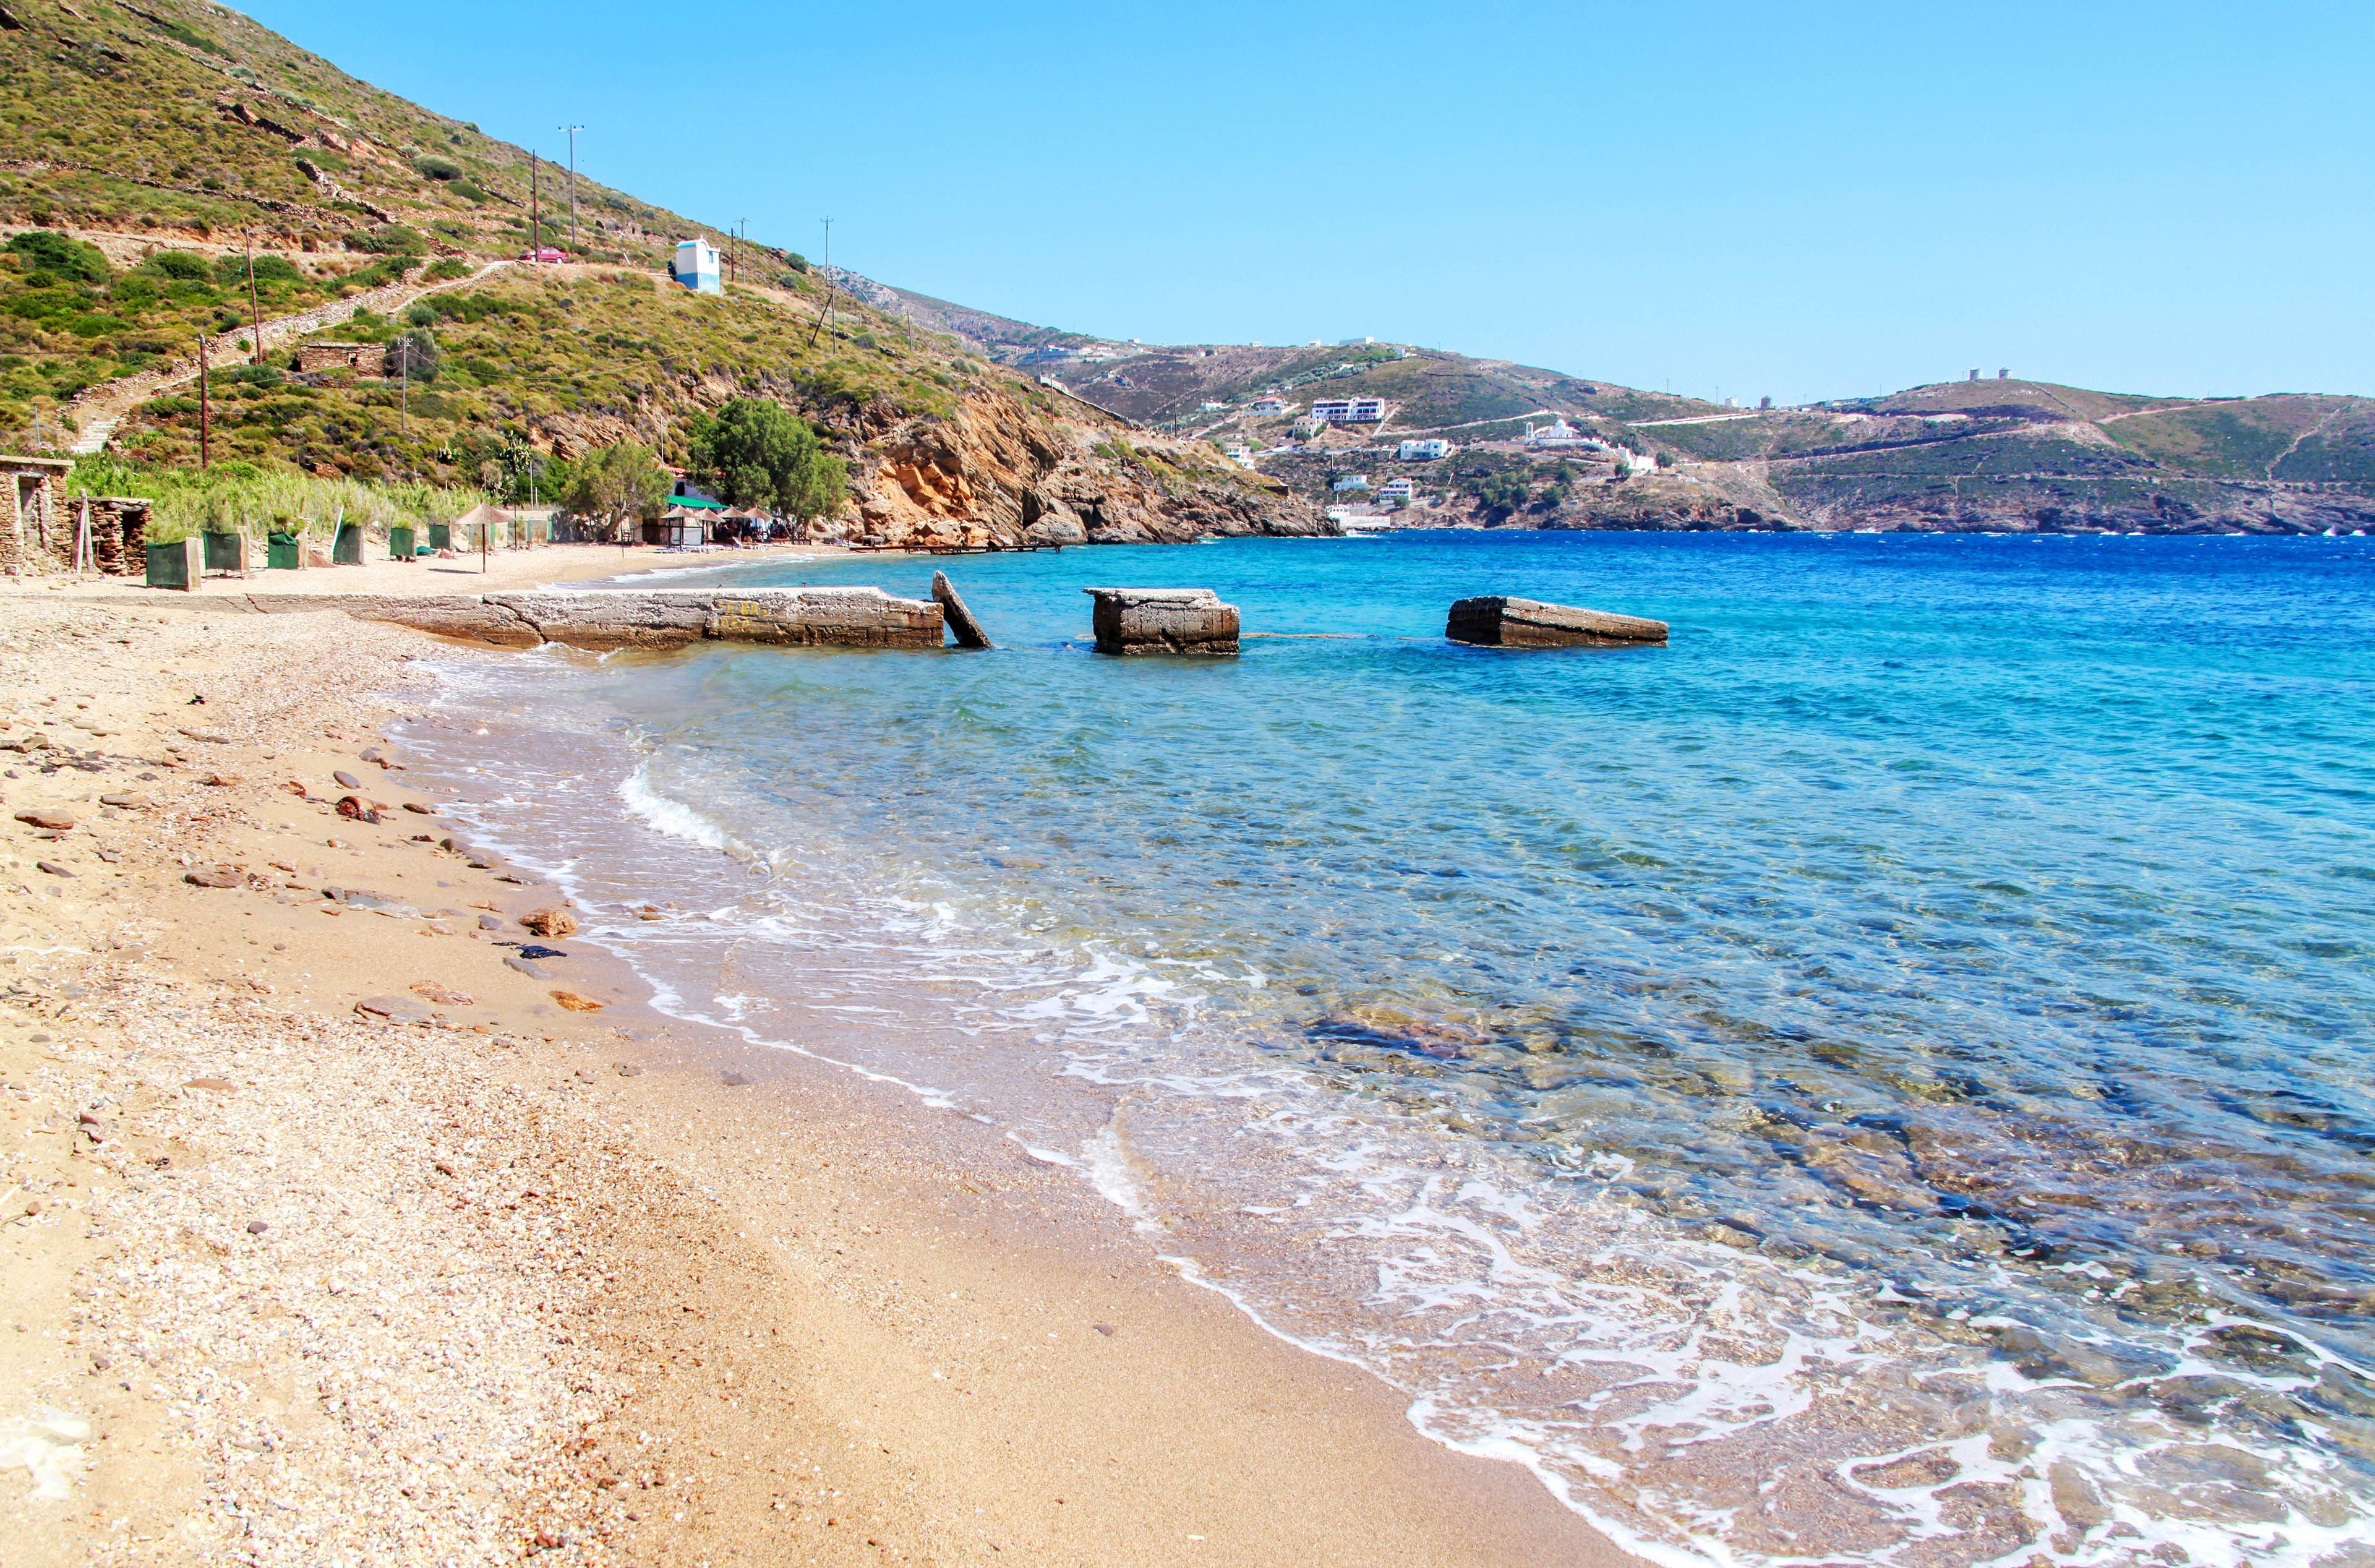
[
  {"x": 754, "y": 453},
  {"x": 614, "y": 483},
  {"x": 415, "y": 357}
]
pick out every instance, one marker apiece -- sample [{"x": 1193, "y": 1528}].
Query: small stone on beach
[
  {"x": 56, "y": 821},
  {"x": 214, "y": 876},
  {"x": 577, "y": 1003},
  {"x": 395, "y": 1010},
  {"x": 550, "y": 921}
]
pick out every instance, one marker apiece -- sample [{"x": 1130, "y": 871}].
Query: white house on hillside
[
  {"x": 696, "y": 266},
  {"x": 1349, "y": 410},
  {"x": 1555, "y": 435},
  {"x": 1422, "y": 451}
]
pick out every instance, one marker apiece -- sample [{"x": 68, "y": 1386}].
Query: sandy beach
[{"x": 339, "y": 1231}]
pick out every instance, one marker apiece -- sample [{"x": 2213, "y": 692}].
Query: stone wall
[{"x": 32, "y": 522}]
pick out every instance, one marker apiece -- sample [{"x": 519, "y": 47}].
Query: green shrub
[
  {"x": 233, "y": 269},
  {"x": 446, "y": 269},
  {"x": 437, "y": 168},
  {"x": 181, "y": 267},
  {"x": 387, "y": 240},
  {"x": 58, "y": 255}
]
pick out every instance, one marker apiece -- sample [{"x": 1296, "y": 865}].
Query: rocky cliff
[{"x": 1013, "y": 467}]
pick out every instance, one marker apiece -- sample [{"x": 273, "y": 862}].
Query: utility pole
[
  {"x": 826, "y": 315},
  {"x": 535, "y": 212},
  {"x": 254, "y": 310},
  {"x": 203, "y": 444},
  {"x": 572, "y": 130}
]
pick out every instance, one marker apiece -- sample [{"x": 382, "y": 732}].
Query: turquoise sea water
[{"x": 1883, "y": 1078}]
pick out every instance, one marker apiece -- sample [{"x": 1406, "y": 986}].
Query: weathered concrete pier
[
  {"x": 962, "y": 625},
  {"x": 1497, "y": 621},
  {"x": 1163, "y": 621},
  {"x": 601, "y": 619}
]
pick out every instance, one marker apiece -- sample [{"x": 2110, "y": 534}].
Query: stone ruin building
[{"x": 42, "y": 524}]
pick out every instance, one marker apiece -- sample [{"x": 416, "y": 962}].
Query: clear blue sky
[{"x": 1805, "y": 200}]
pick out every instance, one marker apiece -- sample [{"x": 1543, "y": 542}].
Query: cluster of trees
[
  {"x": 751, "y": 453},
  {"x": 754, "y": 452}
]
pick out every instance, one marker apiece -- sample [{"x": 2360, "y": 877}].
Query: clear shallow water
[{"x": 1883, "y": 1079}]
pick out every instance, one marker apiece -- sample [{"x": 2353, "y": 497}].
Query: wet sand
[{"x": 305, "y": 1283}]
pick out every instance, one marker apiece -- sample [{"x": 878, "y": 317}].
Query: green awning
[{"x": 696, "y": 503}]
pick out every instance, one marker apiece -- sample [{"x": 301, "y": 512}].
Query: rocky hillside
[
  {"x": 1998, "y": 455},
  {"x": 145, "y": 148}
]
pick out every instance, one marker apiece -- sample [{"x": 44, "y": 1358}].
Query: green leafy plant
[
  {"x": 754, "y": 453},
  {"x": 66, "y": 258},
  {"x": 616, "y": 482}
]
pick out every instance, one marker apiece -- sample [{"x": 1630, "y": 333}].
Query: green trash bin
[
  {"x": 347, "y": 549},
  {"x": 400, "y": 544},
  {"x": 176, "y": 565},
  {"x": 226, "y": 552},
  {"x": 440, "y": 536},
  {"x": 284, "y": 552}
]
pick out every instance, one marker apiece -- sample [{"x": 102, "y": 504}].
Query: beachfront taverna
[{"x": 696, "y": 266}]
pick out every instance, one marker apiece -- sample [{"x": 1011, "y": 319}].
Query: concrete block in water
[
  {"x": 1497, "y": 621},
  {"x": 601, "y": 619},
  {"x": 1163, "y": 621},
  {"x": 968, "y": 630}
]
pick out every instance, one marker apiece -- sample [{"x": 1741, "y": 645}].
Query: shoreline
[
  {"x": 661, "y": 1225},
  {"x": 508, "y": 571}
]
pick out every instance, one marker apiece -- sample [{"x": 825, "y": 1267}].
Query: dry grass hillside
[{"x": 147, "y": 151}]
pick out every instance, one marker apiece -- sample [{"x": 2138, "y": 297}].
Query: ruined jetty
[
  {"x": 601, "y": 619},
  {"x": 1163, "y": 621},
  {"x": 962, "y": 625},
  {"x": 1497, "y": 621}
]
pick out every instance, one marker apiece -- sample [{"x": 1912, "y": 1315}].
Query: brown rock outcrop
[{"x": 1006, "y": 471}]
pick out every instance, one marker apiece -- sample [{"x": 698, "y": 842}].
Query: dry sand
[{"x": 295, "y": 1284}]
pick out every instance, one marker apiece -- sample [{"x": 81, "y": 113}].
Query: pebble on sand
[{"x": 55, "y": 821}]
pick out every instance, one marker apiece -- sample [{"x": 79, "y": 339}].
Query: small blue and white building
[{"x": 696, "y": 266}]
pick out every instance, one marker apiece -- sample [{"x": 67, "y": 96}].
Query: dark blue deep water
[{"x": 1884, "y": 1077}]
